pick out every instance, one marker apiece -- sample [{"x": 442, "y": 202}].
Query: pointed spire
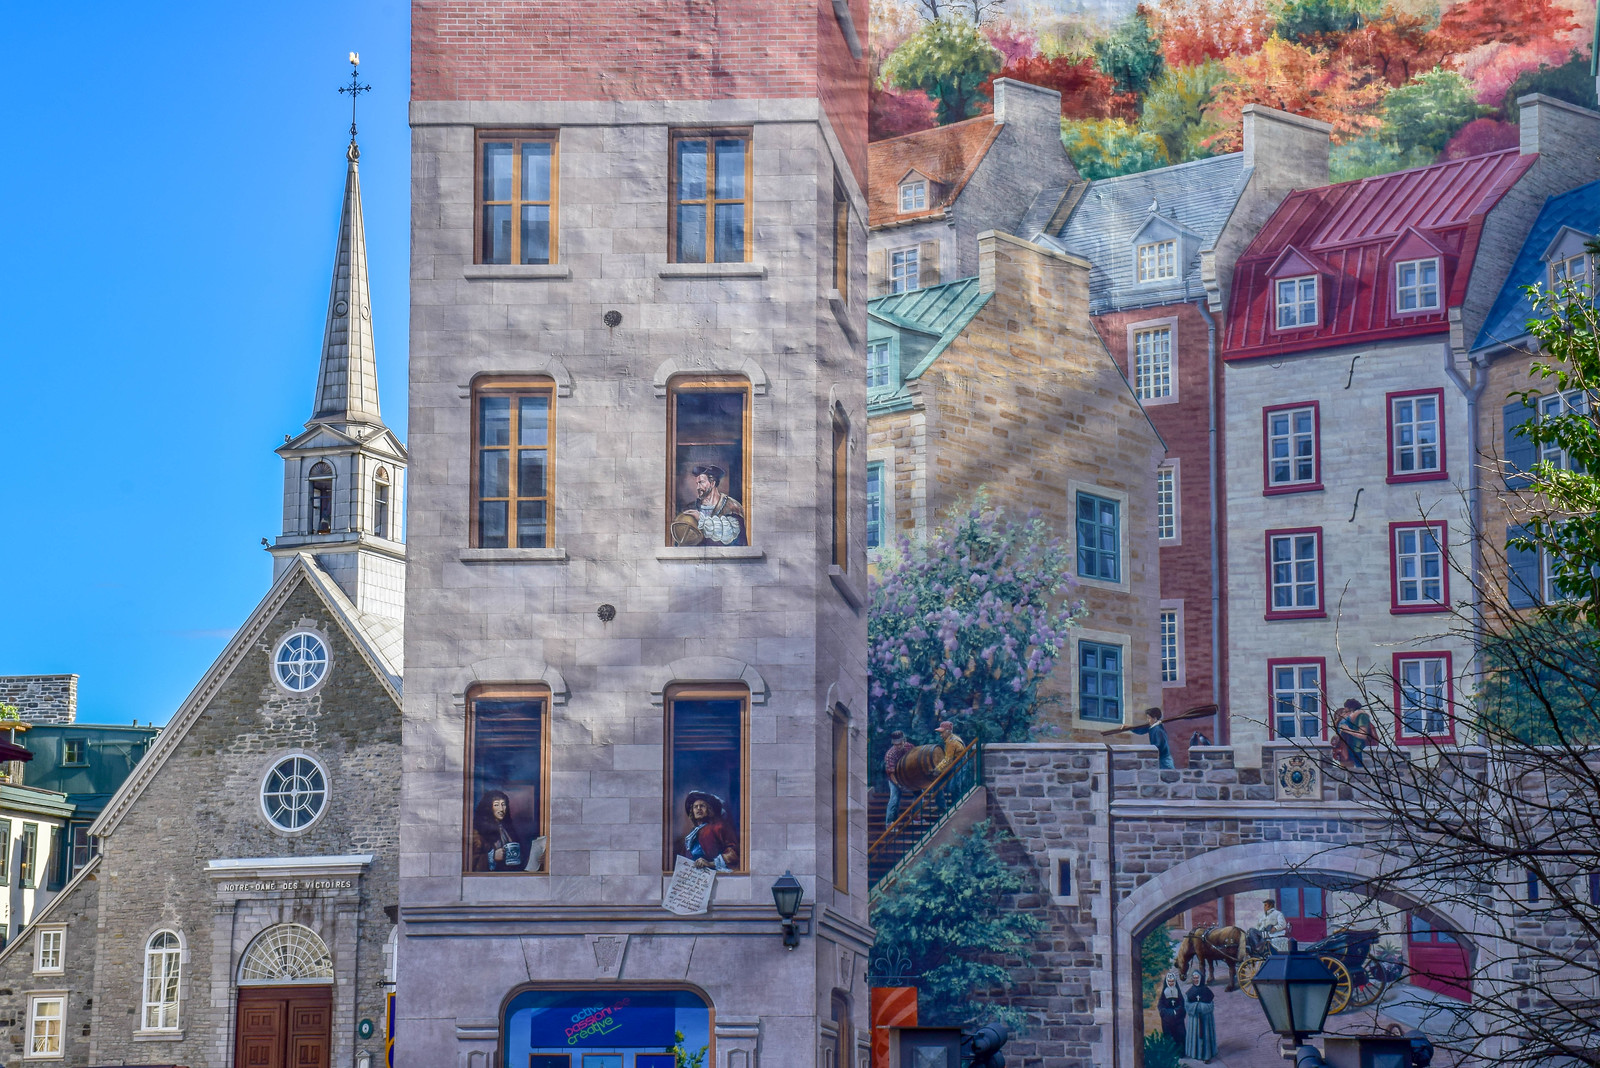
[{"x": 347, "y": 384}]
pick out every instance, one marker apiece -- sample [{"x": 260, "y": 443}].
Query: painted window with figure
[
  {"x": 507, "y": 794},
  {"x": 705, "y": 777},
  {"x": 708, "y": 462}
]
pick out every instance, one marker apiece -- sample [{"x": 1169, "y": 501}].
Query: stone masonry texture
[{"x": 41, "y": 698}]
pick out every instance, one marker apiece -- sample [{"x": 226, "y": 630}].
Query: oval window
[
  {"x": 294, "y": 793},
  {"x": 300, "y": 662}
]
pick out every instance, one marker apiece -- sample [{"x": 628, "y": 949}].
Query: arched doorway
[
  {"x": 1262, "y": 870},
  {"x": 285, "y": 1000}
]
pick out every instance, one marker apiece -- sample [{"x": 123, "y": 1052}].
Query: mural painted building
[
  {"x": 238, "y": 909},
  {"x": 1348, "y": 432},
  {"x": 635, "y": 668},
  {"x": 1161, "y": 242}
]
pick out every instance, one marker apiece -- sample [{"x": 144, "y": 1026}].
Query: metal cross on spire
[{"x": 355, "y": 89}]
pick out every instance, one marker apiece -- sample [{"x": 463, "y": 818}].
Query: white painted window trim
[
  {"x": 1174, "y": 605},
  {"x": 912, "y": 191},
  {"x": 305, "y": 628},
  {"x": 1163, "y": 271},
  {"x": 1174, "y": 465},
  {"x": 1294, "y": 582},
  {"x": 1563, "y": 265},
  {"x": 892, "y": 345},
  {"x": 1420, "y": 556},
  {"x": 1445, "y": 709},
  {"x": 1101, "y": 637},
  {"x": 1278, "y": 303},
  {"x": 34, "y": 999},
  {"x": 1170, "y": 324},
  {"x": 1419, "y": 288},
  {"x": 910, "y": 254},
  {"x": 59, "y": 931},
  {"x": 273, "y": 762},
  {"x": 1123, "y": 527},
  {"x": 884, "y": 456},
  {"x": 145, "y": 1004}
]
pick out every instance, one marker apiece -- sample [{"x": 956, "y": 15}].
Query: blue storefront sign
[{"x": 555, "y": 1027}]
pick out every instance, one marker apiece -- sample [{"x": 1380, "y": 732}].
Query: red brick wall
[
  {"x": 641, "y": 50},
  {"x": 1186, "y": 567}
]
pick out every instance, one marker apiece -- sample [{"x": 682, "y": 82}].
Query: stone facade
[
  {"x": 611, "y": 329},
  {"x": 1024, "y": 401},
  {"x": 41, "y": 698}
]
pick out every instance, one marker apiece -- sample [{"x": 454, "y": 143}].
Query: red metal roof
[{"x": 1350, "y": 235}]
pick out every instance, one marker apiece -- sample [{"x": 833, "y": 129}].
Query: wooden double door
[{"x": 284, "y": 1027}]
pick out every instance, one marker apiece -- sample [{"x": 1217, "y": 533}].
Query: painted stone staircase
[{"x": 921, "y": 818}]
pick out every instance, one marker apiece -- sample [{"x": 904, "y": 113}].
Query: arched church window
[
  {"x": 300, "y": 662},
  {"x": 163, "y": 963},
  {"x": 294, "y": 793},
  {"x": 321, "y": 497},
  {"x": 380, "y": 503},
  {"x": 287, "y": 953}
]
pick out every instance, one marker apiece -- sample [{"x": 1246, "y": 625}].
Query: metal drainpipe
[
  {"x": 1223, "y": 726},
  {"x": 1474, "y": 511}
]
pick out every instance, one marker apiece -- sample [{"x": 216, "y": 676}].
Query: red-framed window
[
  {"x": 1416, "y": 436},
  {"x": 1294, "y": 574},
  {"x": 1424, "y": 698},
  {"x": 1419, "y": 567},
  {"x": 1297, "y": 705},
  {"x": 1291, "y": 448}
]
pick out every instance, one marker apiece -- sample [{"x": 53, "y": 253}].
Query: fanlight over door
[{"x": 287, "y": 953}]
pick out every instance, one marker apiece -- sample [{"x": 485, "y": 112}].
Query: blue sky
[{"x": 172, "y": 179}]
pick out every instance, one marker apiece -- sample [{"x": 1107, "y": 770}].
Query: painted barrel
[{"x": 916, "y": 769}]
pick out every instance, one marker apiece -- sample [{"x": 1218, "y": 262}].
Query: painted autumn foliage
[{"x": 1402, "y": 82}]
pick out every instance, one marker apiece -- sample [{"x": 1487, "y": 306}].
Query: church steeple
[{"x": 342, "y": 474}]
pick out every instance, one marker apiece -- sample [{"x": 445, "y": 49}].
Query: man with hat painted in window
[{"x": 716, "y": 519}]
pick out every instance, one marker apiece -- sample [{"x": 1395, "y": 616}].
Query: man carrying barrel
[{"x": 898, "y": 748}]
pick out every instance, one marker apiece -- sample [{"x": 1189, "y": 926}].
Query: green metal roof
[{"x": 942, "y": 311}]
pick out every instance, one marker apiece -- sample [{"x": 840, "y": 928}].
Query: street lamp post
[{"x": 1296, "y": 990}]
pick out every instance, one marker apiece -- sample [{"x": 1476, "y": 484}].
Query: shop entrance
[{"x": 284, "y": 1027}]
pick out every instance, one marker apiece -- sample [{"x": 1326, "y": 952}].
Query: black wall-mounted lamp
[{"x": 786, "y": 894}]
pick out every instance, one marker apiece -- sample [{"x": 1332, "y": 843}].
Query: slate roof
[
  {"x": 1197, "y": 196},
  {"x": 946, "y": 154},
  {"x": 1349, "y": 235},
  {"x": 1507, "y": 321}
]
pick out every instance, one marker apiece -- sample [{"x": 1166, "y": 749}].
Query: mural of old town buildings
[{"x": 925, "y": 534}]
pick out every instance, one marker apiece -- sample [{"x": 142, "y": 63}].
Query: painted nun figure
[
  {"x": 1200, "y": 1039},
  {"x": 1170, "y": 1006}
]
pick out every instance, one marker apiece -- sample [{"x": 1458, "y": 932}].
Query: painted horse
[{"x": 1208, "y": 945}]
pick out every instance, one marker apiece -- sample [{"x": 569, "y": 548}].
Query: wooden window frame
[
  {"x": 5, "y": 853},
  {"x": 1560, "y": 270},
  {"x": 710, "y": 135},
  {"x": 517, "y": 139},
  {"x": 1122, "y": 679},
  {"x": 1079, "y": 548},
  {"x": 839, "y": 717},
  {"x": 28, "y": 864},
  {"x": 1173, "y": 608},
  {"x": 706, "y": 691},
  {"x": 1296, "y": 662},
  {"x": 841, "y": 241},
  {"x": 512, "y": 387},
  {"x": 1319, "y": 558},
  {"x": 506, "y": 691},
  {"x": 723, "y": 383},
  {"x": 1391, "y": 400},
  {"x": 1146, "y": 377},
  {"x": 840, "y": 477},
  {"x": 1270, "y": 488},
  {"x": 1162, "y": 269},
  {"x": 1441, "y": 535},
  {"x": 1401, "y": 735},
  {"x": 1172, "y": 467}
]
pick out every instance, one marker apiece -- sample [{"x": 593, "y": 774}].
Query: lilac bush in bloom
[{"x": 964, "y": 626}]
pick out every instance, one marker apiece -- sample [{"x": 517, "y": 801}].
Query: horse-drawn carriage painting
[{"x": 1361, "y": 976}]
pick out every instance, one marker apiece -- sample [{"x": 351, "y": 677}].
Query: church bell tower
[{"x": 343, "y": 474}]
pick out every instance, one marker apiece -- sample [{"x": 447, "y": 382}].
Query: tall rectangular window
[
  {"x": 26, "y": 868},
  {"x": 44, "y": 1026},
  {"x": 841, "y": 800},
  {"x": 1100, "y": 682},
  {"x": 1171, "y": 654},
  {"x": 1296, "y": 302},
  {"x": 1416, "y": 436},
  {"x": 841, "y": 241},
  {"x": 903, "y": 270},
  {"x": 1419, "y": 580},
  {"x": 1422, "y": 698},
  {"x": 1291, "y": 448},
  {"x": 1158, "y": 260},
  {"x": 874, "y": 505},
  {"x": 513, "y": 466},
  {"x": 711, "y": 205},
  {"x": 1167, "y": 503},
  {"x": 1416, "y": 285},
  {"x": 47, "y": 950},
  {"x": 706, "y": 821},
  {"x": 5, "y": 852},
  {"x": 380, "y": 504},
  {"x": 507, "y": 798},
  {"x": 841, "y": 492},
  {"x": 1152, "y": 363},
  {"x": 1297, "y": 698},
  {"x": 880, "y": 365},
  {"x": 1572, "y": 402},
  {"x": 1294, "y": 573},
  {"x": 1099, "y": 538},
  {"x": 516, "y": 197},
  {"x": 708, "y": 462}
]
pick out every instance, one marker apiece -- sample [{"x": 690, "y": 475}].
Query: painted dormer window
[
  {"x": 1158, "y": 260},
  {"x": 1297, "y": 302},
  {"x": 321, "y": 497},
  {"x": 882, "y": 373},
  {"x": 914, "y": 195},
  {"x": 1570, "y": 269},
  {"x": 1416, "y": 285}
]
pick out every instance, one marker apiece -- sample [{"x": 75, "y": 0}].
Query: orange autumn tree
[
  {"x": 1395, "y": 46},
  {"x": 1193, "y": 31},
  {"x": 1292, "y": 78},
  {"x": 1086, "y": 93},
  {"x": 1470, "y": 23}
]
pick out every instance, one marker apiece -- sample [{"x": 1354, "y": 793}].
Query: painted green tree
[
  {"x": 951, "y": 921},
  {"x": 1105, "y": 148},
  {"x": 949, "y": 59},
  {"x": 1131, "y": 54},
  {"x": 1175, "y": 109},
  {"x": 1428, "y": 110}
]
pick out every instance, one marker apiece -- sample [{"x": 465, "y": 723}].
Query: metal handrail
[{"x": 951, "y": 787}]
